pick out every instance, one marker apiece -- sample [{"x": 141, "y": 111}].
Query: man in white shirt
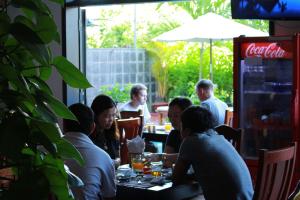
[
  {"x": 98, "y": 172},
  {"x": 138, "y": 95},
  {"x": 205, "y": 92}
]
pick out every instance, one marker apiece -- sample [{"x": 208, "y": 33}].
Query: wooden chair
[
  {"x": 275, "y": 172},
  {"x": 228, "y": 118},
  {"x": 128, "y": 129},
  {"x": 231, "y": 134},
  {"x": 133, "y": 114}
]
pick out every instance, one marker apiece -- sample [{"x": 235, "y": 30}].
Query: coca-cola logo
[{"x": 267, "y": 51}]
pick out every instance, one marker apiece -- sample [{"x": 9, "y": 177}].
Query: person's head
[
  {"x": 85, "y": 119},
  {"x": 196, "y": 119},
  {"x": 204, "y": 89},
  {"x": 176, "y": 107},
  {"x": 105, "y": 110},
  {"x": 138, "y": 94}
]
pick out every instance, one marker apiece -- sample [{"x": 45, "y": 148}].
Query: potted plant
[{"x": 31, "y": 145}]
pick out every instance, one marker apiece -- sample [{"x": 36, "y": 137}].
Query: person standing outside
[
  {"x": 138, "y": 96},
  {"x": 205, "y": 93},
  {"x": 218, "y": 167},
  {"x": 98, "y": 172}
]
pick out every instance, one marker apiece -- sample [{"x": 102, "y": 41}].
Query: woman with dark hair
[
  {"x": 106, "y": 135},
  {"x": 219, "y": 169}
]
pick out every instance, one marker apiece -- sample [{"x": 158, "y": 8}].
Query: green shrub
[{"x": 117, "y": 93}]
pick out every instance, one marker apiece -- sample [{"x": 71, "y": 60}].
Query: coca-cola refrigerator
[{"x": 266, "y": 94}]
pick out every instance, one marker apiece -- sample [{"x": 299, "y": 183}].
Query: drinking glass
[
  {"x": 156, "y": 168},
  {"x": 137, "y": 162},
  {"x": 168, "y": 127}
]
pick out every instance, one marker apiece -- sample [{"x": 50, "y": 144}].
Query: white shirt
[
  {"x": 216, "y": 107},
  {"x": 128, "y": 107},
  {"x": 97, "y": 173}
]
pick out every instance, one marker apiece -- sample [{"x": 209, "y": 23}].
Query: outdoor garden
[{"x": 176, "y": 66}]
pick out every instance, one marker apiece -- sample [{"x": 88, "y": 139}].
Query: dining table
[{"x": 148, "y": 187}]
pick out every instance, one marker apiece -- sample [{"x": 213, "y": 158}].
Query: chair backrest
[
  {"x": 233, "y": 135},
  {"x": 128, "y": 129},
  {"x": 275, "y": 173},
  {"x": 228, "y": 118},
  {"x": 133, "y": 114}
]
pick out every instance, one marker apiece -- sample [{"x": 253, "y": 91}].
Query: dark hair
[
  {"x": 85, "y": 119},
  {"x": 101, "y": 103},
  {"x": 205, "y": 83},
  {"x": 197, "y": 119},
  {"x": 181, "y": 102},
  {"x": 135, "y": 89}
]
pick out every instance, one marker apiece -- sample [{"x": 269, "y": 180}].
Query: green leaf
[
  {"x": 46, "y": 28},
  {"x": 67, "y": 151},
  {"x": 14, "y": 132},
  {"x": 71, "y": 75},
  {"x": 49, "y": 129},
  {"x": 45, "y": 72},
  {"x": 61, "y": 2},
  {"x": 41, "y": 84},
  {"x": 36, "y": 6},
  {"x": 4, "y": 24},
  {"x": 11, "y": 75},
  {"x": 44, "y": 112},
  {"x": 31, "y": 41},
  {"x": 59, "y": 108}
]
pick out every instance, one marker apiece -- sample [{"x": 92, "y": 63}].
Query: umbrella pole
[
  {"x": 201, "y": 61},
  {"x": 210, "y": 61}
]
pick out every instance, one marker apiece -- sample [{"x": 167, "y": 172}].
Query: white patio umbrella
[{"x": 208, "y": 28}]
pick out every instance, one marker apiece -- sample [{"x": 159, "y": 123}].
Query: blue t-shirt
[
  {"x": 221, "y": 172},
  {"x": 216, "y": 107}
]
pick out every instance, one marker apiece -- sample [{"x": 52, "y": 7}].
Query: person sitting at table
[
  {"x": 98, "y": 172},
  {"x": 205, "y": 92},
  {"x": 138, "y": 96},
  {"x": 106, "y": 135},
  {"x": 176, "y": 107},
  {"x": 218, "y": 167}
]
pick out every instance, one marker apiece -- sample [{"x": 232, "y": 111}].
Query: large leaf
[
  {"x": 13, "y": 136},
  {"x": 67, "y": 151},
  {"x": 36, "y": 6},
  {"x": 45, "y": 72},
  {"x": 11, "y": 75},
  {"x": 71, "y": 75},
  {"x": 31, "y": 41},
  {"x": 59, "y": 108},
  {"x": 4, "y": 24},
  {"x": 44, "y": 112},
  {"x": 49, "y": 129},
  {"x": 46, "y": 28},
  {"x": 40, "y": 84},
  {"x": 61, "y": 2}
]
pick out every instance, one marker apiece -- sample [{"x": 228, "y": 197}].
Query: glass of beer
[
  {"x": 156, "y": 168},
  {"x": 168, "y": 127},
  {"x": 137, "y": 163}
]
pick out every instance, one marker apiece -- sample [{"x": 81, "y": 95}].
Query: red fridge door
[{"x": 264, "y": 98}]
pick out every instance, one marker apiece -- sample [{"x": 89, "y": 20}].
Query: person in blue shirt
[
  {"x": 218, "y": 167},
  {"x": 205, "y": 92},
  {"x": 97, "y": 172}
]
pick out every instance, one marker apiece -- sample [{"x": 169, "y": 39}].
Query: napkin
[{"x": 136, "y": 145}]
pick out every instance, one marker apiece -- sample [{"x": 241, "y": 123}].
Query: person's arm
[
  {"x": 180, "y": 171},
  {"x": 169, "y": 149}
]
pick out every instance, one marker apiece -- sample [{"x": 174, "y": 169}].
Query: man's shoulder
[{"x": 126, "y": 107}]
